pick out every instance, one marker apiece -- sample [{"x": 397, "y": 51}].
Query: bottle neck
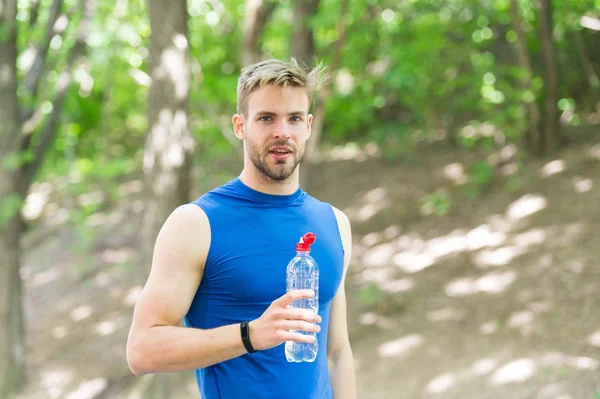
[{"x": 302, "y": 253}]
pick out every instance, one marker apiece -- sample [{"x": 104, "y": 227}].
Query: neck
[{"x": 254, "y": 179}]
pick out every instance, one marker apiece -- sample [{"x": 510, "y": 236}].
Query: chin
[{"x": 281, "y": 177}]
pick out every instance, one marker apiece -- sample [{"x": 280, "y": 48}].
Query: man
[{"x": 220, "y": 263}]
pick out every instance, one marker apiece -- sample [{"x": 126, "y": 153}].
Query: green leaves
[
  {"x": 15, "y": 160},
  {"x": 480, "y": 176},
  {"x": 417, "y": 66},
  {"x": 10, "y": 206},
  {"x": 482, "y": 173},
  {"x": 4, "y": 31},
  {"x": 370, "y": 294},
  {"x": 438, "y": 202}
]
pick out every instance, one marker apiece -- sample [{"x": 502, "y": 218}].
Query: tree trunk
[
  {"x": 302, "y": 48},
  {"x": 532, "y": 137},
  {"x": 257, "y": 14},
  {"x": 586, "y": 62},
  {"x": 16, "y": 180},
  {"x": 552, "y": 134},
  {"x": 48, "y": 132},
  {"x": 12, "y": 365},
  {"x": 302, "y": 41},
  {"x": 12, "y": 334},
  {"x": 169, "y": 145},
  {"x": 312, "y": 145}
]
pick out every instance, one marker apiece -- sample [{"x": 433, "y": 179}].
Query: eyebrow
[{"x": 269, "y": 113}]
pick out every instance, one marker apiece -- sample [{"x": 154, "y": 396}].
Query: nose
[{"x": 281, "y": 130}]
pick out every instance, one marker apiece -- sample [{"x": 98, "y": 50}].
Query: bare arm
[
  {"x": 157, "y": 344},
  {"x": 339, "y": 349}
]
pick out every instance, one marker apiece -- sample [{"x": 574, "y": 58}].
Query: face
[{"x": 275, "y": 129}]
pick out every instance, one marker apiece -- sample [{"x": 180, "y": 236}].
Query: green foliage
[
  {"x": 15, "y": 160},
  {"x": 513, "y": 184},
  {"x": 409, "y": 72},
  {"x": 4, "y": 32},
  {"x": 10, "y": 206},
  {"x": 481, "y": 174},
  {"x": 370, "y": 294},
  {"x": 438, "y": 202}
]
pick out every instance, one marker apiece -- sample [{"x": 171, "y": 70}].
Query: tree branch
[
  {"x": 32, "y": 79},
  {"x": 222, "y": 123},
  {"x": 311, "y": 153},
  {"x": 302, "y": 42},
  {"x": 257, "y": 14},
  {"x": 34, "y": 13},
  {"x": 531, "y": 137},
  {"x": 32, "y": 118},
  {"x": 48, "y": 133},
  {"x": 587, "y": 64},
  {"x": 335, "y": 48},
  {"x": 312, "y": 145},
  {"x": 342, "y": 29}
]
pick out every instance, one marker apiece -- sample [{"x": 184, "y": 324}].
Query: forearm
[
  {"x": 343, "y": 378},
  {"x": 164, "y": 349}
]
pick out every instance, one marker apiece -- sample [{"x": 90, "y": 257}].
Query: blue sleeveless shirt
[{"x": 253, "y": 238}]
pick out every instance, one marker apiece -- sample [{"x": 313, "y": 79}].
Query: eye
[
  {"x": 265, "y": 119},
  {"x": 295, "y": 119}
]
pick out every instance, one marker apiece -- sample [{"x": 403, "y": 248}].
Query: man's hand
[{"x": 276, "y": 324}]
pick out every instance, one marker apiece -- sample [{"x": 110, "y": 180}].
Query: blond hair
[{"x": 279, "y": 73}]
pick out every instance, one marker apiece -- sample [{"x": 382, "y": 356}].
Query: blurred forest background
[{"x": 461, "y": 137}]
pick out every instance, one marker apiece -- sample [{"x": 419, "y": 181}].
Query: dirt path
[{"x": 496, "y": 299}]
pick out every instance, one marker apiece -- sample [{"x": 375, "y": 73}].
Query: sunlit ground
[
  {"x": 496, "y": 299},
  {"x": 502, "y": 306}
]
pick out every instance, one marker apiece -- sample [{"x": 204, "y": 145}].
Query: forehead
[{"x": 278, "y": 99}]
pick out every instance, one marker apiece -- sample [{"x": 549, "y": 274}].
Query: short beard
[{"x": 281, "y": 174}]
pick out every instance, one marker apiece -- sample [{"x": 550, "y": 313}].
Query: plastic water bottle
[{"x": 303, "y": 273}]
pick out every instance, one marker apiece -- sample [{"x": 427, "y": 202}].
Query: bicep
[{"x": 177, "y": 268}]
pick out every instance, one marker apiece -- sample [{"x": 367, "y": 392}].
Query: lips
[
  {"x": 280, "y": 153},
  {"x": 280, "y": 150}
]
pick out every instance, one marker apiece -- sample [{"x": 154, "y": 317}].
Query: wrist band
[{"x": 245, "y": 333}]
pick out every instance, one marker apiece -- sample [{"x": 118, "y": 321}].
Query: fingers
[
  {"x": 301, "y": 314},
  {"x": 297, "y": 337},
  {"x": 292, "y": 296},
  {"x": 295, "y": 325},
  {"x": 282, "y": 322}
]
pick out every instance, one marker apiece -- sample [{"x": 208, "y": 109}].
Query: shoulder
[
  {"x": 189, "y": 214},
  {"x": 343, "y": 222},
  {"x": 183, "y": 241},
  {"x": 341, "y": 217},
  {"x": 188, "y": 222},
  {"x": 345, "y": 231}
]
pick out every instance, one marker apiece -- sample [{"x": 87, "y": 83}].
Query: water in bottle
[{"x": 303, "y": 273}]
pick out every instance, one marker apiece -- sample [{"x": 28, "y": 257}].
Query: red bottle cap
[{"x": 305, "y": 242}]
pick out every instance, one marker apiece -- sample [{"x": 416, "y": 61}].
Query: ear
[
  {"x": 309, "y": 120},
  {"x": 239, "y": 126}
]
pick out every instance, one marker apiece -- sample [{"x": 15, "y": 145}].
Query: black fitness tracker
[{"x": 245, "y": 332}]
